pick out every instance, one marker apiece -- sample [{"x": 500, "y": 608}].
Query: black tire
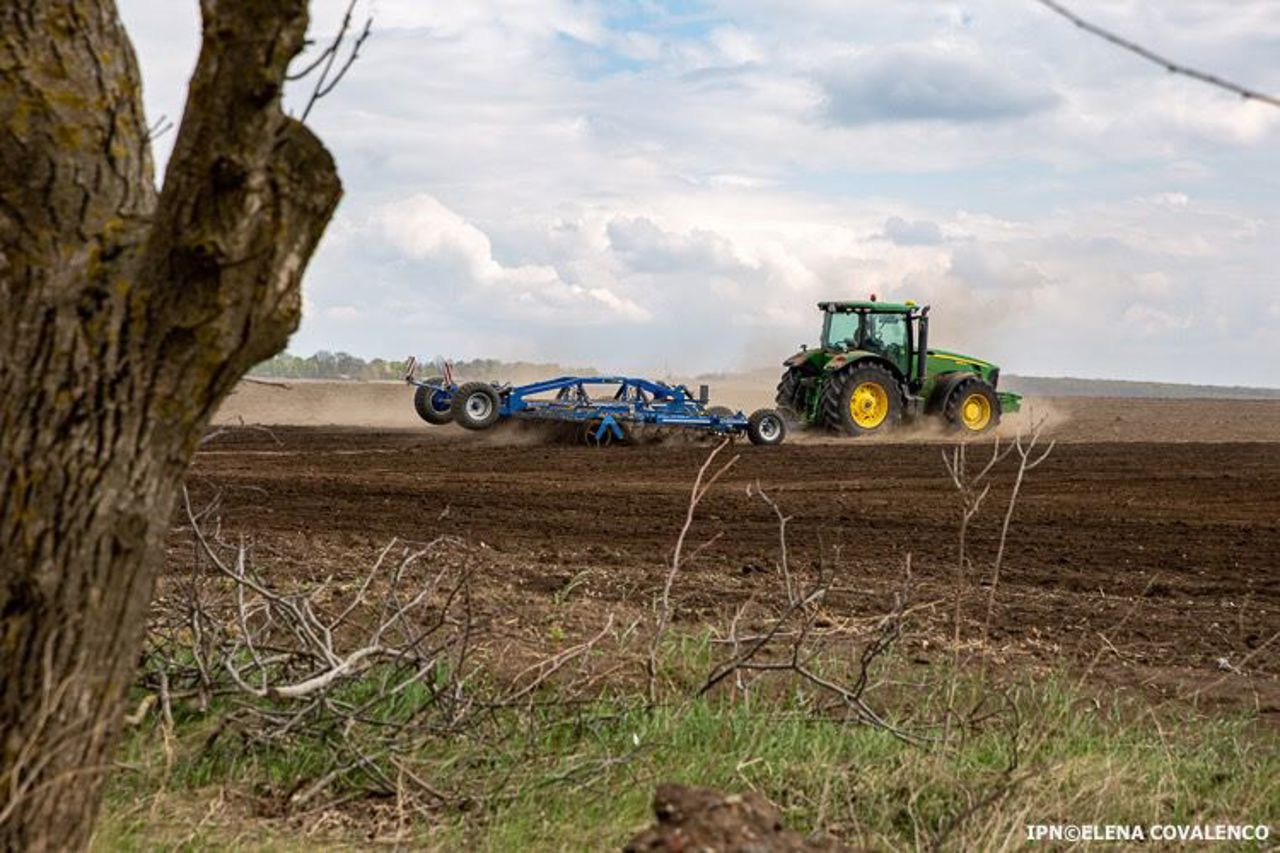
[
  {"x": 790, "y": 398},
  {"x": 972, "y": 407},
  {"x": 839, "y": 396},
  {"x": 766, "y": 427},
  {"x": 475, "y": 406},
  {"x": 425, "y": 403},
  {"x": 721, "y": 411}
]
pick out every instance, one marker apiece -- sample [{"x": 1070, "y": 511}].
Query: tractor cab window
[
  {"x": 887, "y": 335},
  {"x": 844, "y": 331},
  {"x": 882, "y": 333},
  {"x": 885, "y": 332}
]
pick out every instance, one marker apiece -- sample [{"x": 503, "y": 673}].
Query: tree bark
[{"x": 126, "y": 315}]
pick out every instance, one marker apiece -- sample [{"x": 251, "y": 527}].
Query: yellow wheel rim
[
  {"x": 869, "y": 405},
  {"x": 975, "y": 412}
]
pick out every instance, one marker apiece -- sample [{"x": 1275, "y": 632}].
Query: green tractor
[{"x": 874, "y": 368}]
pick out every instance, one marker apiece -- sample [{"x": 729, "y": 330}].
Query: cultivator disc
[
  {"x": 647, "y": 434},
  {"x": 602, "y": 432}
]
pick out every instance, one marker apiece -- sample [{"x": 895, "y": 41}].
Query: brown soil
[{"x": 1155, "y": 564}]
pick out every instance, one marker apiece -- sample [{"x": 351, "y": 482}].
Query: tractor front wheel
[
  {"x": 862, "y": 400},
  {"x": 973, "y": 407},
  {"x": 475, "y": 406},
  {"x": 432, "y": 405}
]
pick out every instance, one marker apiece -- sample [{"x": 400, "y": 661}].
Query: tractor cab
[{"x": 890, "y": 330}]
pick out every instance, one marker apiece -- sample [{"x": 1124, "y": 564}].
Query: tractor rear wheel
[
  {"x": 790, "y": 399},
  {"x": 862, "y": 400},
  {"x": 475, "y": 406},
  {"x": 432, "y": 405},
  {"x": 766, "y": 427},
  {"x": 973, "y": 407}
]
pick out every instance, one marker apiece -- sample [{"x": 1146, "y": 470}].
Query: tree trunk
[{"x": 126, "y": 315}]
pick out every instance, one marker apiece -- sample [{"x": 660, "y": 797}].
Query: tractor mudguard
[
  {"x": 943, "y": 387},
  {"x": 798, "y": 359}
]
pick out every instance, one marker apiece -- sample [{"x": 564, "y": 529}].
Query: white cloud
[
  {"x": 1146, "y": 320},
  {"x": 422, "y": 228},
  {"x": 736, "y": 46},
  {"x": 920, "y": 232},
  {"x": 918, "y": 82},
  {"x": 647, "y": 248},
  {"x": 342, "y": 312}
]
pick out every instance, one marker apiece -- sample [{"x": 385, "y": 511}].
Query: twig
[
  {"x": 782, "y": 538},
  {"x": 158, "y": 128},
  {"x": 325, "y": 60},
  {"x": 1025, "y": 464},
  {"x": 973, "y": 490},
  {"x": 696, "y": 495},
  {"x": 545, "y": 669}
]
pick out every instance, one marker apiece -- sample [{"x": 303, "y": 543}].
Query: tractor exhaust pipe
[{"x": 922, "y": 343}]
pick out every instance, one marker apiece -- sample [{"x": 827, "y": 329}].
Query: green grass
[{"x": 559, "y": 779}]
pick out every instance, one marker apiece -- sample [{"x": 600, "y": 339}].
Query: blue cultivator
[{"x": 626, "y": 406}]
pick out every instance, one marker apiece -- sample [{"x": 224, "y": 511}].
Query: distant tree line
[
  {"x": 342, "y": 365},
  {"x": 328, "y": 365}
]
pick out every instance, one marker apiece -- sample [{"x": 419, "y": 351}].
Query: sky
[{"x": 671, "y": 185}]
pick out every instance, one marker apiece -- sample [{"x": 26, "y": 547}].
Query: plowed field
[{"x": 1155, "y": 564}]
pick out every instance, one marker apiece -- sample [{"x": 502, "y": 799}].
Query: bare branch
[
  {"x": 782, "y": 538},
  {"x": 1025, "y": 464},
  {"x": 324, "y": 61},
  {"x": 973, "y": 490},
  {"x": 696, "y": 495},
  {"x": 545, "y": 669},
  {"x": 158, "y": 128}
]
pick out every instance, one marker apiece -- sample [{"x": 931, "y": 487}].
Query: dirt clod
[{"x": 698, "y": 819}]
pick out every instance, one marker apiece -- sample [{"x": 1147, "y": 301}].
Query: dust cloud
[{"x": 381, "y": 405}]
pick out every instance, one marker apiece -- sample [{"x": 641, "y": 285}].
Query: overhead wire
[{"x": 1168, "y": 64}]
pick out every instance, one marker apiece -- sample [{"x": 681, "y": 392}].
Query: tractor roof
[{"x": 865, "y": 305}]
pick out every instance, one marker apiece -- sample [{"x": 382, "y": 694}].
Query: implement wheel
[
  {"x": 720, "y": 411},
  {"x": 862, "y": 400},
  {"x": 766, "y": 427},
  {"x": 475, "y": 406},
  {"x": 973, "y": 407},
  {"x": 433, "y": 405}
]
